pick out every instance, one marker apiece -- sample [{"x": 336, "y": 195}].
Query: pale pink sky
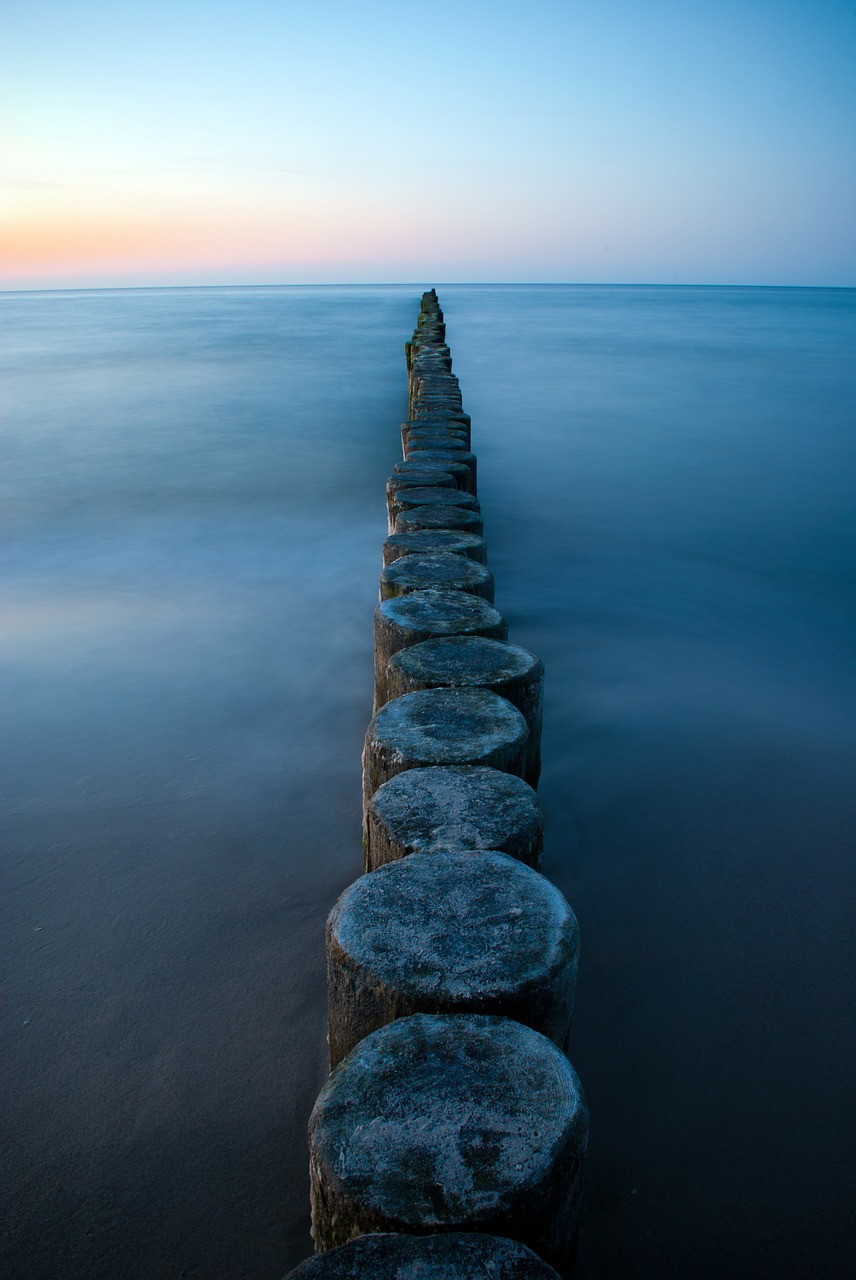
[{"x": 214, "y": 143}]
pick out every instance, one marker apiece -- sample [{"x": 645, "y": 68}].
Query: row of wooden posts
[{"x": 450, "y": 1136}]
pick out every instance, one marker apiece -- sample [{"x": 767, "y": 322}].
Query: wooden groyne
[{"x": 449, "y": 1139}]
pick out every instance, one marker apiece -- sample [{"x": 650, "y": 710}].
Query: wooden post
[
  {"x": 459, "y": 470},
  {"x": 464, "y": 662},
  {"x": 412, "y": 431},
  {"x": 405, "y": 499},
  {"x": 441, "y": 570},
  {"x": 443, "y": 726},
  {"x": 425, "y": 541},
  {"x": 439, "y": 516},
  {"x": 457, "y": 807},
  {"x": 436, "y": 457},
  {"x": 450, "y": 933},
  {"x": 450, "y": 1123},
  {"x": 421, "y": 615},
  {"x": 421, "y": 480},
  {"x": 457, "y": 425}
]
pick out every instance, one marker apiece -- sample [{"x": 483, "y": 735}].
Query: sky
[{"x": 271, "y": 142}]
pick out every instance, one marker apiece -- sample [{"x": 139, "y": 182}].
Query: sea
[{"x": 193, "y": 484}]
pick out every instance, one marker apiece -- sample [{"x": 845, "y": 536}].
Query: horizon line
[{"x": 447, "y": 284}]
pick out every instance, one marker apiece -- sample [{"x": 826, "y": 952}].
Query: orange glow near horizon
[
  {"x": 76, "y": 231},
  {"x": 65, "y": 232},
  {"x": 72, "y": 239}
]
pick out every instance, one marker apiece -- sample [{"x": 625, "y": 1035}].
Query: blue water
[{"x": 193, "y": 484}]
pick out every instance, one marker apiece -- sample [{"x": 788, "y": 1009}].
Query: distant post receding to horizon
[{"x": 267, "y": 144}]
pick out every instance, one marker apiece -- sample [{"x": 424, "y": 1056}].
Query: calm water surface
[{"x": 193, "y": 485}]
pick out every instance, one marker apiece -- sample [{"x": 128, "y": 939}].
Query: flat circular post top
[
  {"x": 437, "y": 612},
  {"x": 460, "y": 807},
  {"x": 416, "y": 439},
  {"x": 449, "y": 726},
  {"x": 406, "y": 466},
  {"x": 432, "y": 359},
  {"x": 444, "y": 429},
  {"x": 442, "y": 401},
  {"x": 460, "y": 421},
  {"x": 436, "y": 423},
  {"x": 444, "y": 452},
  {"x": 450, "y": 1255},
  {"x": 432, "y": 392},
  {"x": 426, "y": 541},
  {"x": 457, "y": 928},
  {"x": 420, "y": 477},
  {"x": 438, "y": 455},
  {"x": 448, "y": 1119},
  {"x": 438, "y": 517},
  {"x": 418, "y": 495},
  {"x": 461, "y": 472},
  {"x": 438, "y": 569},
  {"x": 461, "y": 661},
  {"x": 442, "y": 415},
  {"x": 424, "y": 441},
  {"x": 430, "y": 377}
]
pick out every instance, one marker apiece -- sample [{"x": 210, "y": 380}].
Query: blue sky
[{"x": 269, "y": 142}]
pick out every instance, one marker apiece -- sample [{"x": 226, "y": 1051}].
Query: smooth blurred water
[{"x": 193, "y": 484}]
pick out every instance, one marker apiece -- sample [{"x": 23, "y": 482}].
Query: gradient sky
[{"x": 204, "y": 142}]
